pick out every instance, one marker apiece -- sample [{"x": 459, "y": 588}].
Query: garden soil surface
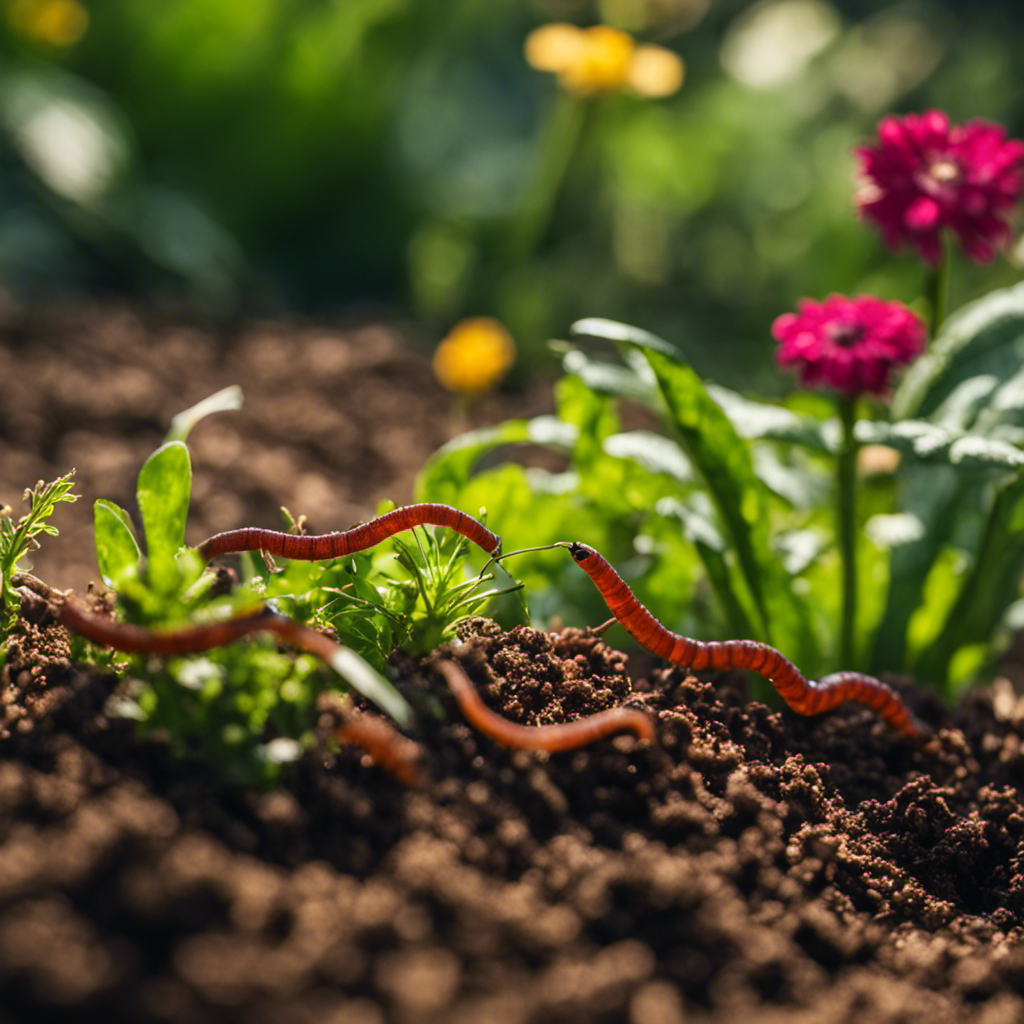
[{"x": 748, "y": 865}]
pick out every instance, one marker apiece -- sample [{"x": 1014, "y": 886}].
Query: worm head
[{"x": 580, "y": 552}]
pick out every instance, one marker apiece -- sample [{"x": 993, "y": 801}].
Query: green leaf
[
  {"x": 364, "y": 678},
  {"x": 226, "y": 400},
  {"x": 764, "y": 421},
  {"x": 164, "y": 488},
  {"x": 724, "y": 461},
  {"x": 988, "y": 589},
  {"x": 654, "y": 452},
  {"x": 984, "y": 338},
  {"x": 117, "y": 550},
  {"x": 622, "y": 334},
  {"x": 449, "y": 469},
  {"x": 933, "y": 495},
  {"x": 611, "y": 379},
  {"x": 926, "y": 442},
  {"x": 700, "y": 530}
]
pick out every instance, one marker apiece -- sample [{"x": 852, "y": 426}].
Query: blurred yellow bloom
[
  {"x": 57, "y": 22},
  {"x": 475, "y": 356},
  {"x": 601, "y": 59}
]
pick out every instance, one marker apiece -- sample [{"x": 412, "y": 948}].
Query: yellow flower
[
  {"x": 475, "y": 356},
  {"x": 602, "y": 59},
  {"x": 57, "y": 22}
]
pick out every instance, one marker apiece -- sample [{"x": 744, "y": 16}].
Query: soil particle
[
  {"x": 722, "y": 872},
  {"x": 748, "y": 865}
]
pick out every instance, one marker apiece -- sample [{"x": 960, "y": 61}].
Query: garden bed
[{"x": 748, "y": 863}]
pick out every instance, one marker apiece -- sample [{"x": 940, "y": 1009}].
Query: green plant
[
  {"x": 248, "y": 707},
  {"x": 18, "y": 539},
  {"x": 721, "y": 523}
]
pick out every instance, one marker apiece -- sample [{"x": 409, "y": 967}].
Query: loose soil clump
[{"x": 750, "y": 864}]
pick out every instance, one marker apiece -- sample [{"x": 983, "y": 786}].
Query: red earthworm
[
  {"x": 358, "y": 538},
  {"x": 385, "y": 745},
  {"x": 806, "y": 698},
  {"x": 387, "y": 748},
  {"x": 541, "y": 737}
]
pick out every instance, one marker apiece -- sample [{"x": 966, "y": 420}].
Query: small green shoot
[
  {"x": 18, "y": 539},
  {"x": 420, "y": 592}
]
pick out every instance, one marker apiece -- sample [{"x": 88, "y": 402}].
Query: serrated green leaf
[
  {"x": 117, "y": 550},
  {"x": 164, "y": 489}
]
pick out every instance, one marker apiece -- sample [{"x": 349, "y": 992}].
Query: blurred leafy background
[{"x": 316, "y": 155}]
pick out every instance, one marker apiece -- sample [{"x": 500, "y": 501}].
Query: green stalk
[
  {"x": 559, "y": 143},
  {"x": 846, "y": 524},
  {"x": 938, "y": 287}
]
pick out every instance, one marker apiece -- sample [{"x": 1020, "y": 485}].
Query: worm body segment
[
  {"x": 344, "y": 542},
  {"x": 541, "y": 737},
  {"x": 804, "y": 697}
]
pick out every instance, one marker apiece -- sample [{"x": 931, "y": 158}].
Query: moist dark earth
[{"x": 748, "y": 865}]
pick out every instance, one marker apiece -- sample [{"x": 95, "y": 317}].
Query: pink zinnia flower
[
  {"x": 925, "y": 175},
  {"x": 851, "y": 345}
]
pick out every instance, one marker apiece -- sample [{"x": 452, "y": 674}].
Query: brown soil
[{"x": 750, "y": 865}]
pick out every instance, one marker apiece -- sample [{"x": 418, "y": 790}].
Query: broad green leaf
[
  {"x": 926, "y": 442},
  {"x": 593, "y": 416},
  {"x": 933, "y": 495},
  {"x": 988, "y": 589},
  {"x": 724, "y": 461},
  {"x": 226, "y": 400},
  {"x": 654, "y": 452},
  {"x": 449, "y": 469},
  {"x": 764, "y": 421},
  {"x": 984, "y": 338},
  {"x": 164, "y": 488},
  {"x": 117, "y": 550},
  {"x": 697, "y": 519},
  {"x": 611, "y": 379},
  {"x": 622, "y": 334}
]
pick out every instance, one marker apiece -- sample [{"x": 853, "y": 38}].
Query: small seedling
[{"x": 18, "y": 539}]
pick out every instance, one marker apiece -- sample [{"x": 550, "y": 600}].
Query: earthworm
[
  {"x": 806, "y": 698},
  {"x": 541, "y": 737},
  {"x": 387, "y": 748},
  {"x": 396, "y": 754},
  {"x": 123, "y": 636},
  {"x": 358, "y": 538}
]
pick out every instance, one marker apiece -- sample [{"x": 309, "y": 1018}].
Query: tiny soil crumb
[
  {"x": 750, "y": 862},
  {"x": 750, "y": 865}
]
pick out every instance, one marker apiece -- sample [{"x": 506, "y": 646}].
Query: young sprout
[{"x": 18, "y": 539}]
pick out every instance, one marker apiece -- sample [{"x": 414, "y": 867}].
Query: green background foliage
[{"x": 316, "y": 154}]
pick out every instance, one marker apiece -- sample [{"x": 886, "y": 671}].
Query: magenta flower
[
  {"x": 851, "y": 345},
  {"x": 925, "y": 175}
]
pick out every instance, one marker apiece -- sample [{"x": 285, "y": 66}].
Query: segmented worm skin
[
  {"x": 806, "y": 698},
  {"x": 190, "y": 639},
  {"x": 396, "y": 754},
  {"x": 366, "y": 535},
  {"x": 541, "y": 737}
]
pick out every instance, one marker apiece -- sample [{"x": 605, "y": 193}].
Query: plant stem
[
  {"x": 559, "y": 141},
  {"x": 846, "y": 524},
  {"x": 938, "y": 287}
]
